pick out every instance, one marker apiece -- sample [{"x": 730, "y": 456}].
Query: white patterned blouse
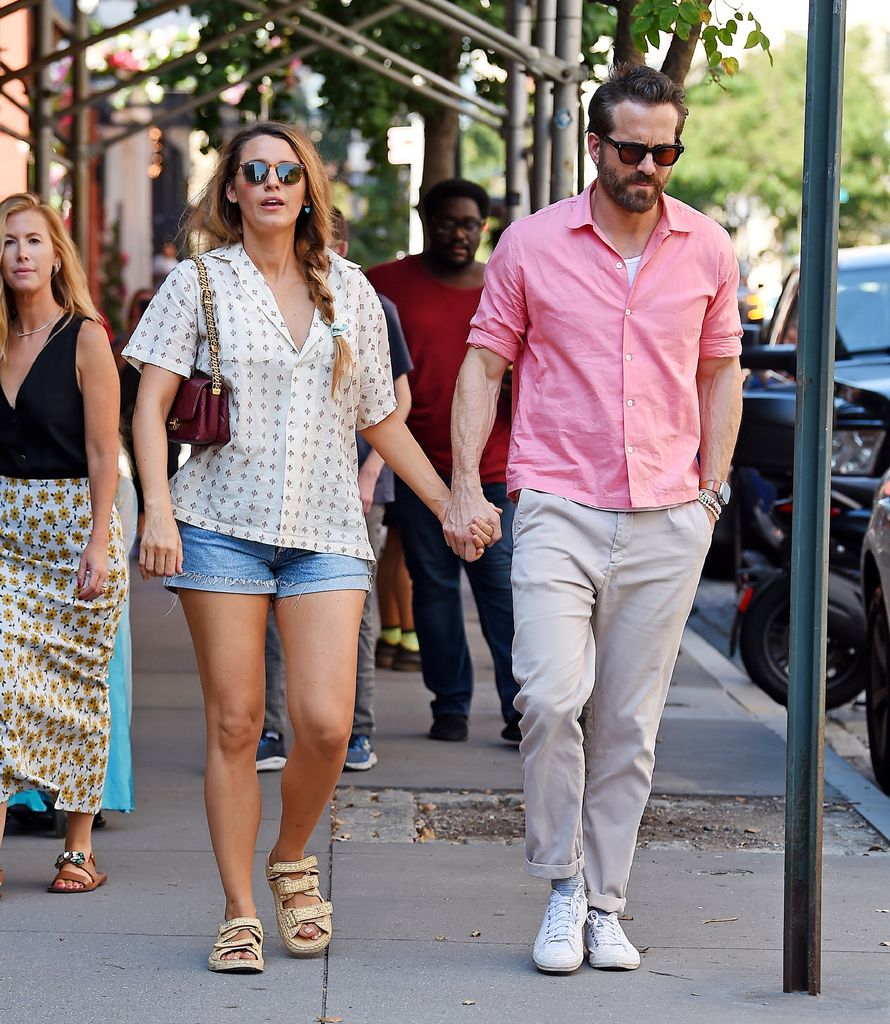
[{"x": 288, "y": 475}]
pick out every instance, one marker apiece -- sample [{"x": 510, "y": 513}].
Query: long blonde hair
[
  {"x": 218, "y": 220},
  {"x": 69, "y": 284}
]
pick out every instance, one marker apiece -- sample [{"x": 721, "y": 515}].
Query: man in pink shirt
[{"x": 618, "y": 310}]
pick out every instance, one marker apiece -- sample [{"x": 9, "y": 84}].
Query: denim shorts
[{"x": 221, "y": 564}]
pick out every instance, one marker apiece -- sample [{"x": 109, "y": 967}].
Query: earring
[
  {"x": 56, "y": 268},
  {"x": 307, "y": 208}
]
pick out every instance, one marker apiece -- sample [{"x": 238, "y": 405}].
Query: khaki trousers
[{"x": 600, "y": 601}]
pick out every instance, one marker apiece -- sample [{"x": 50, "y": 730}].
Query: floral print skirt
[{"x": 54, "y": 649}]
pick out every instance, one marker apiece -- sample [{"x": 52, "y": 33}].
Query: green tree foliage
[{"x": 744, "y": 145}]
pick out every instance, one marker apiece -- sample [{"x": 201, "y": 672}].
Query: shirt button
[
  {"x": 619, "y": 265},
  {"x": 630, "y": 449},
  {"x": 630, "y": 401},
  {"x": 628, "y": 357},
  {"x": 627, "y": 312}
]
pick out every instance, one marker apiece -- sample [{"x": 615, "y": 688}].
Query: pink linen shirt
[{"x": 605, "y": 401}]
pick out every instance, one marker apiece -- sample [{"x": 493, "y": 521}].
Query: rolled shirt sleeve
[
  {"x": 168, "y": 333},
  {"x": 501, "y": 320},
  {"x": 721, "y": 331},
  {"x": 376, "y": 398}
]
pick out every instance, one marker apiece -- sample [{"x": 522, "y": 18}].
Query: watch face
[{"x": 724, "y": 492}]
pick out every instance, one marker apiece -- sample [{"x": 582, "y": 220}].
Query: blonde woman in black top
[{"x": 63, "y": 572}]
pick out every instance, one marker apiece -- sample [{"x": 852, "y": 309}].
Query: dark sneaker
[
  {"x": 384, "y": 654},
  {"x": 270, "y": 752},
  {"x": 451, "y": 728},
  {"x": 405, "y": 660},
  {"x": 511, "y": 733},
  {"x": 360, "y": 754}
]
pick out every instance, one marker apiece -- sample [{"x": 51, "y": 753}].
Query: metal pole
[
  {"x": 545, "y": 39},
  {"x": 564, "y": 125},
  {"x": 812, "y": 448},
  {"x": 80, "y": 138},
  {"x": 519, "y": 22},
  {"x": 41, "y": 129}
]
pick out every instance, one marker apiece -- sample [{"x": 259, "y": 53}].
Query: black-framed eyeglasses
[
  {"x": 255, "y": 172},
  {"x": 447, "y": 226},
  {"x": 632, "y": 153}
]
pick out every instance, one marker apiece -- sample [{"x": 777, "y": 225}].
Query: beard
[{"x": 616, "y": 187}]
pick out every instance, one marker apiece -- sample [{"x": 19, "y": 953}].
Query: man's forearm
[
  {"x": 473, "y": 413},
  {"x": 720, "y": 402}
]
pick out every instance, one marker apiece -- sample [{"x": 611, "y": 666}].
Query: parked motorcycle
[{"x": 761, "y": 630}]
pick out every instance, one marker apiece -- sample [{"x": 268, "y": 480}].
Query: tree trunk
[
  {"x": 679, "y": 56},
  {"x": 440, "y": 147},
  {"x": 625, "y": 51}
]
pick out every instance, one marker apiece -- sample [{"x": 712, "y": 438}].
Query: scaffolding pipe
[
  {"x": 42, "y": 121},
  {"x": 358, "y": 39},
  {"x": 519, "y": 22},
  {"x": 545, "y": 37},
  {"x": 566, "y": 103},
  {"x": 51, "y": 56},
  {"x": 80, "y": 141}
]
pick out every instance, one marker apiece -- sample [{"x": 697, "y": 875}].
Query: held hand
[
  {"x": 160, "y": 552},
  {"x": 471, "y": 524},
  {"x": 92, "y": 572}
]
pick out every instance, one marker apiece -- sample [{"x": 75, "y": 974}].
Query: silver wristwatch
[{"x": 720, "y": 488}]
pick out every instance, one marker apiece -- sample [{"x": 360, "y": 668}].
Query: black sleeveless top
[{"x": 43, "y": 437}]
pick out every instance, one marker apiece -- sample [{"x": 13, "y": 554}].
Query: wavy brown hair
[
  {"x": 70, "y": 288},
  {"x": 218, "y": 220}
]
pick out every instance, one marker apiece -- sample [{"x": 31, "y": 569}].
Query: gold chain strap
[{"x": 212, "y": 335}]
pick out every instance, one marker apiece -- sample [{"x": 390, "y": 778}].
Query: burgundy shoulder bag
[{"x": 200, "y": 412}]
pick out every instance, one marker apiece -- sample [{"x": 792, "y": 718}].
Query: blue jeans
[{"x": 438, "y": 614}]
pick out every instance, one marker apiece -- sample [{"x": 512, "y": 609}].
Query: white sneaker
[
  {"x": 559, "y": 947},
  {"x": 608, "y": 946}
]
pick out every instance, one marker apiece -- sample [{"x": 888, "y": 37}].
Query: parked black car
[{"x": 861, "y": 434}]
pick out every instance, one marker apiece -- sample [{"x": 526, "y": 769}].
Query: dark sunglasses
[
  {"x": 255, "y": 172},
  {"x": 632, "y": 153}
]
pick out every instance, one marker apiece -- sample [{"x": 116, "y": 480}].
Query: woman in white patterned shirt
[{"x": 275, "y": 514}]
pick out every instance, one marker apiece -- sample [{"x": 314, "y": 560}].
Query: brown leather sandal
[{"x": 72, "y": 865}]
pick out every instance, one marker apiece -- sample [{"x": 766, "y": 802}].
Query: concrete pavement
[{"x": 709, "y": 918}]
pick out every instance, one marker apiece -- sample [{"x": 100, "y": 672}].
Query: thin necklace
[{"x": 43, "y": 327}]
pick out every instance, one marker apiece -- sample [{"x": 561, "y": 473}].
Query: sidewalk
[{"x": 705, "y": 894}]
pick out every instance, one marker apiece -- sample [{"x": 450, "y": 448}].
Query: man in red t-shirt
[{"x": 436, "y": 294}]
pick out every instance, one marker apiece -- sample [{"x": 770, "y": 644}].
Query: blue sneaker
[
  {"x": 270, "y": 753},
  {"x": 360, "y": 754}
]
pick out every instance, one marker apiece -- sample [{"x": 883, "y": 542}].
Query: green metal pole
[{"x": 812, "y": 480}]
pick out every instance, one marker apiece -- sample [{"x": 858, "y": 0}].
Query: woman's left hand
[{"x": 92, "y": 573}]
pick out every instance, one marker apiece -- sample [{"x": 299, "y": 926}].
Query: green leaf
[
  {"x": 764, "y": 42},
  {"x": 714, "y": 58},
  {"x": 682, "y": 30},
  {"x": 709, "y": 34},
  {"x": 690, "y": 12},
  {"x": 654, "y": 37},
  {"x": 666, "y": 19},
  {"x": 732, "y": 26},
  {"x": 752, "y": 40},
  {"x": 725, "y": 36}
]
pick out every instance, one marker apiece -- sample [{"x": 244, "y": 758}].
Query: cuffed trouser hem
[
  {"x": 610, "y": 904},
  {"x": 554, "y": 870}
]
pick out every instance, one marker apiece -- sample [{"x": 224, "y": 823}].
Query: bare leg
[
  {"x": 319, "y": 633},
  {"x": 229, "y": 631},
  {"x": 393, "y": 584}
]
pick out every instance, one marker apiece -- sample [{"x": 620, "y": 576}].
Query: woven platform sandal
[
  {"x": 228, "y": 942},
  {"x": 71, "y": 866},
  {"x": 291, "y": 919}
]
